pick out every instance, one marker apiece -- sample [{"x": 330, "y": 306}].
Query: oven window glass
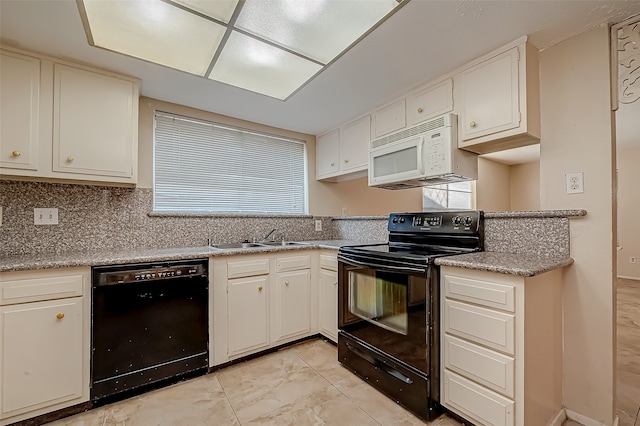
[{"x": 380, "y": 298}]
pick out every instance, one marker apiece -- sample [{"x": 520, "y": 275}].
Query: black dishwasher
[{"x": 149, "y": 325}]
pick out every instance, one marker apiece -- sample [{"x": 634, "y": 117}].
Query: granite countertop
[
  {"x": 73, "y": 259},
  {"x": 524, "y": 265}
]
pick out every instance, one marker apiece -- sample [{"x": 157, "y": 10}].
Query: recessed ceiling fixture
[{"x": 272, "y": 47}]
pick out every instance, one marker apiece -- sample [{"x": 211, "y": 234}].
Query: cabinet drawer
[
  {"x": 247, "y": 268},
  {"x": 293, "y": 263},
  {"x": 479, "y": 404},
  {"x": 486, "y": 327},
  {"x": 484, "y": 293},
  {"x": 328, "y": 261},
  {"x": 489, "y": 368},
  {"x": 39, "y": 286}
]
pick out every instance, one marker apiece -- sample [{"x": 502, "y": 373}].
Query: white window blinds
[{"x": 201, "y": 166}]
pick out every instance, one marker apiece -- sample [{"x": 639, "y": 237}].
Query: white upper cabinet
[
  {"x": 19, "y": 110},
  {"x": 389, "y": 119},
  {"x": 93, "y": 126},
  {"x": 328, "y": 154},
  {"x": 428, "y": 102},
  {"x": 499, "y": 104},
  {"x": 66, "y": 122},
  {"x": 343, "y": 153},
  {"x": 354, "y": 144}
]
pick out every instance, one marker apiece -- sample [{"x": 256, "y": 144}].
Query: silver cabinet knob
[{"x": 473, "y": 124}]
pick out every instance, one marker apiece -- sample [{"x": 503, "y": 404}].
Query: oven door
[{"x": 389, "y": 307}]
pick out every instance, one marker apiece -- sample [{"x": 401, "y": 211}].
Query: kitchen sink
[
  {"x": 282, "y": 243},
  {"x": 237, "y": 246},
  {"x": 230, "y": 246}
]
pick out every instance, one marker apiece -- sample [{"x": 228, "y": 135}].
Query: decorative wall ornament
[{"x": 629, "y": 61}]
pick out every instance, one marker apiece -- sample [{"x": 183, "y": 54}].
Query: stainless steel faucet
[{"x": 265, "y": 238}]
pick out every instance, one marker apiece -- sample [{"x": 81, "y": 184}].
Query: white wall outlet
[
  {"x": 633, "y": 259},
  {"x": 45, "y": 216},
  {"x": 575, "y": 184},
  {"x": 318, "y": 224},
  {"x": 344, "y": 211}
]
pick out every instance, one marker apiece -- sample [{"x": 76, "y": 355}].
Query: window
[
  {"x": 201, "y": 166},
  {"x": 457, "y": 195}
]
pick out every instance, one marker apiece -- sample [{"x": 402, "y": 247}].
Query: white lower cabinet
[
  {"x": 44, "y": 341},
  {"x": 328, "y": 295},
  {"x": 247, "y": 305},
  {"x": 501, "y": 346},
  {"x": 259, "y": 301},
  {"x": 291, "y": 300}
]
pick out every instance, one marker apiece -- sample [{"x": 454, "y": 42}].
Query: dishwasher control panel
[{"x": 160, "y": 272}]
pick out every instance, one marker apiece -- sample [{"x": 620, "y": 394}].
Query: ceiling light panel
[
  {"x": 218, "y": 9},
  {"x": 154, "y": 31},
  {"x": 318, "y": 29},
  {"x": 248, "y": 63}
]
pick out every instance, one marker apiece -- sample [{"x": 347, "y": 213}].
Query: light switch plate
[
  {"x": 318, "y": 224},
  {"x": 45, "y": 216}
]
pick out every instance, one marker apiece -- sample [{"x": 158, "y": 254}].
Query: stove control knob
[
  {"x": 468, "y": 220},
  {"x": 456, "y": 220},
  {"x": 402, "y": 220},
  {"x": 394, "y": 220}
]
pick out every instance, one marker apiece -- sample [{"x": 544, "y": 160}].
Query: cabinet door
[
  {"x": 490, "y": 97},
  {"x": 430, "y": 102},
  {"x": 41, "y": 346},
  {"x": 247, "y": 314},
  {"x": 94, "y": 124},
  {"x": 329, "y": 304},
  {"x": 354, "y": 144},
  {"x": 19, "y": 110},
  {"x": 328, "y": 154},
  {"x": 389, "y": 119},
  {"x": 291, "y": 308}
]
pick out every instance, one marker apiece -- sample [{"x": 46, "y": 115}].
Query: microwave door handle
[
  {"x": 378, "y": 266},
  {"x": 420, "y": 161}
]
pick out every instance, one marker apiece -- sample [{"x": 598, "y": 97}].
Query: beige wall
[
  {"x": 324, "y": 198},
  {"x": 525, "y": 186},
  {"x": 628, "y": 208},
  {"x": 577, "y": 137},
  {"x": 492, "y": 186},
  {"x": 501, "y": 187}
]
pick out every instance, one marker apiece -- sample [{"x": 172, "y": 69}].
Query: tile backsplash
[{"x": 95, "y": 218}]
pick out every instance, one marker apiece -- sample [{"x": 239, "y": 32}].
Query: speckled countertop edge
[
  {"x": 524, "y": 265},
  {"x": 75, "y": 259},
  {"x": 535, "y": 214}
]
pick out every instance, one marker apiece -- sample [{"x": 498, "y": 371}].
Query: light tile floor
[
  {"x": 300, "y": 385},
  {"x": 628, "y": 384}
]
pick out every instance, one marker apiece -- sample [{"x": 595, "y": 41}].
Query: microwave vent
[{"x": 427, "y": 126}]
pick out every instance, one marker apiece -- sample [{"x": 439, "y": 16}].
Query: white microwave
[{"x": 421, "y": 155}]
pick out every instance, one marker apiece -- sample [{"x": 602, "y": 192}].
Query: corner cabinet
[
  {"x": 44, "y": 341},
  {"x": 499, "y": 101},
  {"x": 501, "y": 346},
  {"x": 66, "y": 122},
  {"x": 343, "y": 153},
  {"x": 328, "y": 295}
]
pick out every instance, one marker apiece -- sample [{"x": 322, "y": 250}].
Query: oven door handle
[{"x": 378, "y": 266}]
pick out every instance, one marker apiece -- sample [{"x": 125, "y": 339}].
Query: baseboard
[
  {"x": 586, "y": 421},
  {"x": 629, "y": 278},
  {"x": 558, "y": 419}
]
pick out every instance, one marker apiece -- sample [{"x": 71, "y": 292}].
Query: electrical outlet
[
  {"x": 45, "y": 216},
  {"x": 575, "y": 183},
  {"x": 633, "y": 259},
  {"x": 344, "y": 211},
  {"x": 318, "y": 224}
]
